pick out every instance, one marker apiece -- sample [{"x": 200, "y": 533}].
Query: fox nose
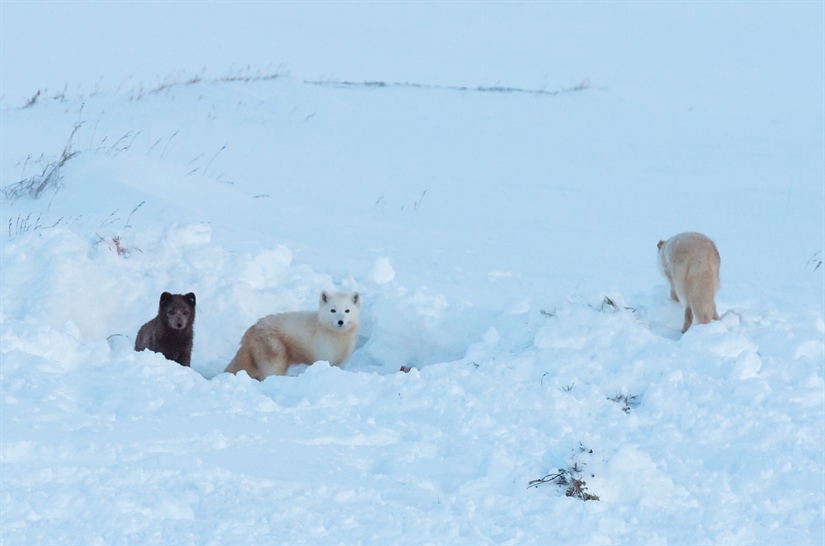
[{"x": 340, "y": 322}]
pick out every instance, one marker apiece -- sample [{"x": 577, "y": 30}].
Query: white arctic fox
[
  {"x": 275, "y": 342},
  {"x": 690, "y": 262}
]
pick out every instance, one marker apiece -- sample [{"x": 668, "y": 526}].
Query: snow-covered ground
[{"x": 497, "y": 202}]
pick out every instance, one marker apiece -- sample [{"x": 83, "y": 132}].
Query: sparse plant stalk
[
  {"x": 50, "y": 177},
  {"x": 115, "y": 243},
  {"x": 815, "y": 262},
  {"x": 417, "y": 204},
  {"x": 609, "y": 304},
  {"x": 570, "y": 479},
  {"x": 213, "y": 159},
  {"x": 134, "y": 210},
  {"x": 24, "y": 224},
  {"x": 31, "y": 102}
]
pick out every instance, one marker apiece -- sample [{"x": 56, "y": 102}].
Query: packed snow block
[
  {"x": 382, "y": 271},
  {"x": 631, "y": 475},
  {"x": 813, "y": 350},
  {"x": 267, "y": 268},
  {"x": 746, "y": 365},
  {"x": 188, "y": 235}
]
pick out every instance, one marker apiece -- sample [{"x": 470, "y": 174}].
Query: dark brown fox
[{"x": 171, "y": 332}]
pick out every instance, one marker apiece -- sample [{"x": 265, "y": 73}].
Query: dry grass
[
  {"x": 24, "y": 224},
  {"x": 342, "y": 84},
  {"x": 628, "y": 401},
  {"x": 116, "y": 244},
  {"x": 570, "y": 479},
  {"x": 49, "y": 178},
  {"x": 815, "y": 262}
]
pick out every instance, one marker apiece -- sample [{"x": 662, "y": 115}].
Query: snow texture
[{"x": 493, "y": 180}]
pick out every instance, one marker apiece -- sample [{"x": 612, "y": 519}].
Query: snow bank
[{"x": 504, "y": 243}]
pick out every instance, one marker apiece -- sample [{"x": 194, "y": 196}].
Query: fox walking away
[{"x": 691, "y": 262}]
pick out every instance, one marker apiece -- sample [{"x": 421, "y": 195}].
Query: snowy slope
[{"x": 504, "y": 242}]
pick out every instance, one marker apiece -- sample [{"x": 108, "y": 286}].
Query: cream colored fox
[
  {"x": 690, "y": 262},
  {"x": 276, "y": 342}
]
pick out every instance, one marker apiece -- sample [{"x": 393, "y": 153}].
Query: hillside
[{"x": 502, "y": 233}]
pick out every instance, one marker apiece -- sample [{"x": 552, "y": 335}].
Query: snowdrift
[{"x": 504, "y": 244}]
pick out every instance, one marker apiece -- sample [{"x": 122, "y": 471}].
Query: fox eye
[
  {"x": 346, "y": 310},
  {"x": 186, "y": 312},
  {"x": 332, "y": 310}
]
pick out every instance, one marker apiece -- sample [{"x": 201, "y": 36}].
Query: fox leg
[
  {"x": 268, "y": 359},
  {"x": 688, "y": 319}
]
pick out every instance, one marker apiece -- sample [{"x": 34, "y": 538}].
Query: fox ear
[
  {"x": 356, "y": 298},
  {"x": 166, "y": 296},
  {"x": 191, "y": 297},
  {"x": 659, "y": 245},
  {"x": 324, "y": 298}
]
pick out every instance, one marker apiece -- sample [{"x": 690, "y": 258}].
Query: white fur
[
  {"x": 690, "y": 262},
  {"x": 276, "y": 342}
]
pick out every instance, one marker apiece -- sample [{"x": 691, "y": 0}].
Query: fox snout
[
  {"x": 340, "y": 321},
  {"x": 178, "y": 321}
]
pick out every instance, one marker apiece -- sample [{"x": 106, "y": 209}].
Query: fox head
[
  {"x": 339, "y": 310},
  {"x": 176, "y": 310}
]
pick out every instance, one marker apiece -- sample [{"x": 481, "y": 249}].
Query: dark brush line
[{"x": 462, "y": 89}]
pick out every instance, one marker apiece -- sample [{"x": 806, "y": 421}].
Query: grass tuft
[
  {"x": 49, "y": 178},
  {"x": 24, "y": 224}
]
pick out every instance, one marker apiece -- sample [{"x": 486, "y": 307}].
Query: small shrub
[
  {"x": 570, "y": 479},
  {"x": 628, "y": 401},
  {"x": 116, "y": 244}
]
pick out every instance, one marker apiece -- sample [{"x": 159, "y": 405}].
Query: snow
[{"x": 503, "y": 242}]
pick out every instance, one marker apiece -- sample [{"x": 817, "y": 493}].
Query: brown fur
[
  {"x": 690, "y": 262},
  {"x": 275, "y": 342},
  {"x": 171, "y": 332}
]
